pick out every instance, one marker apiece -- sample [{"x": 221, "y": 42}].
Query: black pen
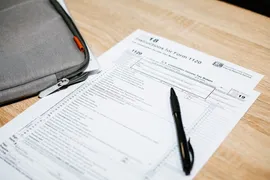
[{"x": 185, "y": 147}]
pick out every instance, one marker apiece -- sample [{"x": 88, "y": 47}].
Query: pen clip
[{"x": 190, "y": 148}]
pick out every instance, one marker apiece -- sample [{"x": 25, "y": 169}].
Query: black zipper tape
[
  {"x": 79, "y": 75},
  {"x": 74, "y": 30}
]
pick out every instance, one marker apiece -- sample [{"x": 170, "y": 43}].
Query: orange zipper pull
[{"x": 79, "y": 44}]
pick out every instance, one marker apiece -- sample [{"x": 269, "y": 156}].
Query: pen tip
[
  {"x": 187, "y": 170},
  {"x": 187, "y": 173}
]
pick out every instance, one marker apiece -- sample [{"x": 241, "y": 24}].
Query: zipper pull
[
  {"x": 64, "y": 83},
  {"x": 52, "y": 89}
]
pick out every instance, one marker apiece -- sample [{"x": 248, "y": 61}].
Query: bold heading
[{"x": 166, "y": 51}]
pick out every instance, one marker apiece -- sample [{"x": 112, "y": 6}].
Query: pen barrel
[
  {"x": 180, "y": 128},
  {"x": 182, "y": 142}
]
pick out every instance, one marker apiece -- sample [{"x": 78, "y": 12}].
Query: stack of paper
[{"x": 118, "y": 124}]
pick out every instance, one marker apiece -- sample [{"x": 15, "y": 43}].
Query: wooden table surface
[{"x": 213, "y": 27}]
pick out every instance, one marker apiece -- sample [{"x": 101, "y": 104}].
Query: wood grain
[{"x": 213, "y": 27}]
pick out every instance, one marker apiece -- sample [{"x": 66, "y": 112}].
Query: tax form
[{"x": 118, "y": 124}]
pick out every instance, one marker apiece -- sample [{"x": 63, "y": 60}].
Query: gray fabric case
[{"x": 36, "y": 49}]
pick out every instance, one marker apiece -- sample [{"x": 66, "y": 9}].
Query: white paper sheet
[{"x": 118, "y": 124}]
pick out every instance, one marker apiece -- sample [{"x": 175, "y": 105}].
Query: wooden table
[{"x": 214, "y": 27}]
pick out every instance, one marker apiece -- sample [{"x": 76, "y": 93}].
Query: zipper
[
  {"x": 79, "y": 75},
  {"x": 53, "y": 88},
  {"x": 64, "y": 83}
]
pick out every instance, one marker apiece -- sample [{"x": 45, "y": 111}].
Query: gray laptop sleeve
[{"x": 37, "y": 49}]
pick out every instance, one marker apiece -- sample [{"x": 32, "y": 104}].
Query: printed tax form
[{"x": 118, "y": 124}]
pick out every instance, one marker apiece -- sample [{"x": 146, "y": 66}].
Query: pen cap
[{"x": 174, "y": 102}]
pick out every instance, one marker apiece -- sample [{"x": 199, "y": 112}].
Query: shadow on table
[{"x": 258, "y": 6}]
